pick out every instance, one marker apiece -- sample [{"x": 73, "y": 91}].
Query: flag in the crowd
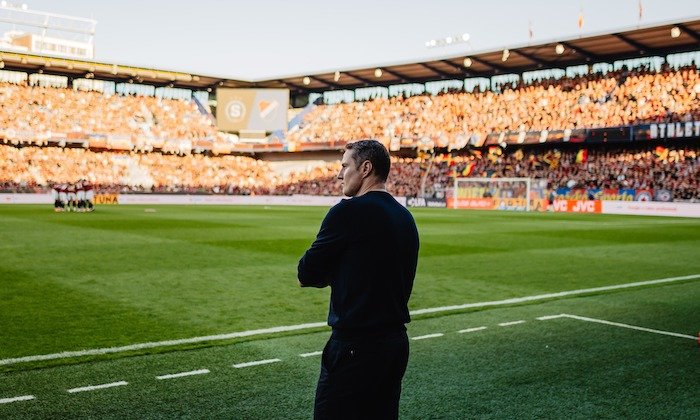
[
  {"x": 582, "y": 156},
  {"x": 661, "y": 153},
  {"x": 494, "y": 153},
  {"x": 641, "y": 10},
  {"x": 580, "y": 20},
  {"x": 468, "y": 169},
  {"x": 530, "y": 33},
  {"x": 552, "y": 158}
]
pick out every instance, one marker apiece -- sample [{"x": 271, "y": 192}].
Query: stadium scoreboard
[{"x": 252, "y": 109}]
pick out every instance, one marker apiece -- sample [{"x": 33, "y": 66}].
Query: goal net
[{"x": 491, "y": 194}]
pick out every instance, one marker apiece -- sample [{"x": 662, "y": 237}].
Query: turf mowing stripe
[
  {"x": 181, "y": 374},
  {"x": 423, "y": 337},
  {"x": 96, "y": 387},
  {"x": 155, "y": 344},
  {"x": 632, "y": 327},
  {"x": 256, "y": 363},
  {"x": 313, "y": 353},
  {"x": 506, "y": 324},
  {"x": 553, "y": 295},
  {"x": 468, "y": 330},
  {"x": 16, "y": 399}
]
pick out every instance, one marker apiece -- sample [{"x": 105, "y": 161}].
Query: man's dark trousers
[{"x": 361, "y": 377}]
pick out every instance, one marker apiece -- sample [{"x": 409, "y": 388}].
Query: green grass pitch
[{"x": 135, "y": 274}]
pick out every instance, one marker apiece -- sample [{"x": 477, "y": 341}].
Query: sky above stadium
[{"x": 265, "y": 39}]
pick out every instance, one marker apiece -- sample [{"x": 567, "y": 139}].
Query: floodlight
[
  {"x": 378, "y": 73},
  {"x": 559, "y": 49},
  {"x": 675, "y": 32},
  {"x": 467, "y": 62},
  {"x": 306, "y": 80}
]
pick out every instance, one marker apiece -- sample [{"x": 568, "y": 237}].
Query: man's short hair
[{"x": 375, "y": 152}]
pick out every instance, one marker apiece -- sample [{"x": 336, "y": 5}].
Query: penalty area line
[
  {"x": 628, "y": 326},
  {"x": 169, "y": 343},
  {"x": 96, "y": 387},
  {"x": 16, "y": 399},
  {"x": 423, "y": 337},
  {"x": 468, "y": 330},
  {"x": 256, "y": 363},
  {"x": 183, "y": 374},
  {"x": 507, "y": 324},
  {"x": 553, "y": 295}
]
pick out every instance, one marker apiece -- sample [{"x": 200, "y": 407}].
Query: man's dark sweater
[{"x": 367, "y": 251}]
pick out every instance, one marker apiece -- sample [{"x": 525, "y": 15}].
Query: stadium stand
[
  {"x": 126, "y": 143},
  {"x": 592, "y": 101},
  {"x": 617, "y": 170}
]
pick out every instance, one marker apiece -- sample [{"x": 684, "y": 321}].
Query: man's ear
[{"x": 366, "y": 168}]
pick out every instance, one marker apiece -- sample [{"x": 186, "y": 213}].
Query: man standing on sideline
[{"x": 367, "y": 252}]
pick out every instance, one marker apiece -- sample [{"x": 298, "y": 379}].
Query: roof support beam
[
  {"x": 463, "y": 72},
  {"x": 689, "y": 31},
  {"x": 641, "y": 47},
  {"x": 361, "y": 79},
  {"x": 292, "y": 85},
  {"x": 461, "y": 69},
  {"x": 490, "y": 64},
  {"x": 404, "y": 79},
  {"x": 438, "y": 71},
  {"x": 589, "y": 55},
  {"x": 329, "y": 84},
  {"x": 535, "y": 59}
]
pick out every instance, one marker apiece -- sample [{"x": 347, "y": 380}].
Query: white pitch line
[
  {"x": 256, "y": 363},
  {"x": 468, "y": 330},
  {"x": 553, "y": 295},
  {"x": 632, "y": 327},
  {"x": 181, "y": 374},
  {"x": 548, "y": 317},
  {"x": 15, "y": 399},
  {"x": 506, "y": 324},
  {"x": 313, "y": 353},
  {"x": 167, "y": 343},
  {"x": 155, "y": 344},
  {"x": 423, "y": 337},
  {"x": 95, "y": 387}
]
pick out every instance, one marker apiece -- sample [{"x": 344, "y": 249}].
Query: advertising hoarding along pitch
[{"x": 252, "y": 109}]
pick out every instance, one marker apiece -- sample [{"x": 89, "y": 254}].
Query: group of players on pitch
[{"x": 78, "y": 197}]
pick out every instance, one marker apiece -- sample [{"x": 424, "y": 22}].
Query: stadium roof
[{"x": 604, "y": 47}]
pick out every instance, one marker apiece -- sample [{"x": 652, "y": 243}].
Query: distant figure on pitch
[
  {"x": 72, "y": 198},
  {"x": 367, "y": 252},
  {"x": 63, "y": 196},
  {"x": 56, "y": 196},
  {"x": 80, "y": 195},
  {"x": 89, "y": 195}
]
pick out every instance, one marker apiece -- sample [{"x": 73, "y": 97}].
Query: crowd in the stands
[
  {"x": 45, "y": 111},
  {"x": 27, "y": 169},
  {"x": 595, "y": 100}
]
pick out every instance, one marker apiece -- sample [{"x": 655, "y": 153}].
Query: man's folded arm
[{"x": 316, "y": 265}]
